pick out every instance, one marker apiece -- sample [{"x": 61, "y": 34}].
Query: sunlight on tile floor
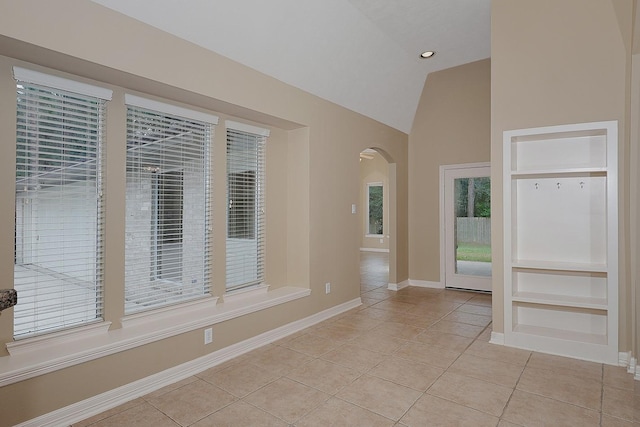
[{"x": 417, "y": 357}]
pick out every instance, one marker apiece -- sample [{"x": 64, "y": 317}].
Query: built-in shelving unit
[{"x": 561, "y": 240}]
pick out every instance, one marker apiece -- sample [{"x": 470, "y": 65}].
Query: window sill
[
  {"x": 40, "y": 355},
  {"x": 245, "y": 293},
  {"x": 44, "y": 343}
]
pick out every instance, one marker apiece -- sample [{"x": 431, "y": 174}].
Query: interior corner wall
[
  {"x": 544, "y": 73},
  {"x": 451, "y": 126}
]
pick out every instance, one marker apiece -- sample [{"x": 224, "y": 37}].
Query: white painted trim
[
  {"x": 368, "y": 185},
  {"x": 38, "y": 78},
  {"x": 632, "y": 366},
  {"x": 184, "y": 310},
  {"x": 398, "y": 286},
  {"x": 624, "y": 358},
  {"x": 43, "y": 343},
  {"x": 243, "y": 293},
  {"x": 443, "y": 243},
  {"x": 150, "y": 104},
  {"x": 448, "y": 273},
  {"x": 242, "y": 127},
  {"x": 97, "y": 404},
  {"x": 75, "y": 351},
  {"x": 374, "y": 250},
  {"x": 426, "y": 284},
  {"x": 634, "y": 208},
  {"x": 497, "y": 338}
]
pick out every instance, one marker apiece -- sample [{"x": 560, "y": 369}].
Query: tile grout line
[{"x": 515, "y": 387}]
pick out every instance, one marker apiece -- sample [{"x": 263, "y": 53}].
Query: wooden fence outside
[{"x": 474, "y": 230}]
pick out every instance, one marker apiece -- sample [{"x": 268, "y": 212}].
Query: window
[
  {"x": 167, "y": 204},
  {"x": 59, "y": 230},
  {"x": 374, "y": 208},
  {"x": 245, "y": 204}
]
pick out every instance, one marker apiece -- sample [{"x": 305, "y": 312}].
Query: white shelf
[
  {"x": 560, "y": 240},
  {"x": 561, "y": 300},
  {"x": 558, "y": 172},
  {"x": 560, "y": 266},
  {"x": 597, "y": 339}
]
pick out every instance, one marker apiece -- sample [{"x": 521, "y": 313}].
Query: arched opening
[{"x": 377, "y": 222}]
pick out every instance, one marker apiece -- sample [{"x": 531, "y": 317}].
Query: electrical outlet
[
  {"x": 208, "y": 335},
  {"x": 327, "y": 288}
]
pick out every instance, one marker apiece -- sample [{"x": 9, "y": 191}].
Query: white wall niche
[{"x": 561, "y": 240}]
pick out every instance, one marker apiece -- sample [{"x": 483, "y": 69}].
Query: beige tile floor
[{"x": 417, "y": 357}]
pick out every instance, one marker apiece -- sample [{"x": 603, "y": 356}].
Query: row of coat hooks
[{"x": 558, "y": 185}]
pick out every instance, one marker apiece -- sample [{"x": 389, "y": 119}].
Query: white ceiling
[{"x": 361, "y": 54}]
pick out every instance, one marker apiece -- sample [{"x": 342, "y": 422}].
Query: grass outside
[{"x": 473, "y": 252}]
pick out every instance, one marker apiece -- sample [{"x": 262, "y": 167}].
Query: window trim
[
  {"x": 102, "y": 95},
  {"x": 368, "y": 213},
  {"x": 137, "y": 103},
  {"x": 162, "y": 107},
  {"x": 260, "y": 196},
  {"x": 39, "y": 355},
  {"x": 51, "y": 353},
  {"x": 243, "y": 127},
  {"x": 36, "y": 77}
]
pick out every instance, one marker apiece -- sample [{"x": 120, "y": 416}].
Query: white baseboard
[
  {"x": 426, "y": 284},
  {"x": 631, "y": 363},
  {"x": 634, "y": 368},
  {"x": 497, "y": 338},
  {"x": 97, "y": 404},
  {"x": 374, "y": 250},
  {"x": 624, "y": 359},
  {"x": 398, "y": 286},
  {"x": 57, "y": 351}
]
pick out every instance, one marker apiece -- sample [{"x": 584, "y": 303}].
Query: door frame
[{"x": 443, "y": 223}]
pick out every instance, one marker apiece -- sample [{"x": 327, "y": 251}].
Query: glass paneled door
[{"x": 467, "y": 226}]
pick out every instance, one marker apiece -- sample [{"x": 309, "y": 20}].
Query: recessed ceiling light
[{"x": 427, "y": 54}]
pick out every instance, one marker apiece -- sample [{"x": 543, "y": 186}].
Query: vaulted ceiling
[{"x": 361, "y": 54}]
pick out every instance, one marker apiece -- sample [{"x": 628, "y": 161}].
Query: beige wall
[
  {"x": 452, "y": 126},
  {"x": 312, "y": 236},
  {"x": 374, "y": 170},
  {"x": 558, "y": 63}
]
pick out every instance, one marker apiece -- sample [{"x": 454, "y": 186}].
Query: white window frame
[
  {"x": 53, "y": 266},
  {"x": 35, "y": 356},
  {"x": 190, "y": 276},
  {"x": 241, "y": 261},
  {"x": 368, "y": 213}
]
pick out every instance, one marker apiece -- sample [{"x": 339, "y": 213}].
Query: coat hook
[
  {"x": 558, "y": 184},
  {"x": 581, "y": 184},
  {"x": 536, "y": 184}
]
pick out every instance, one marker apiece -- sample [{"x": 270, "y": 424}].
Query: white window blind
[
  {"x": 59, "y": 221},
  {"x": 167, "y": 244},
  {"x": 245, "y": 205}
]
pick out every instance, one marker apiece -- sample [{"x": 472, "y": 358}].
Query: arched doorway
[{"x": 377, "y": 222}]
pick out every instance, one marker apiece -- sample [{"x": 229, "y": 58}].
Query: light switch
[{"x": 353, "y": 208}]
